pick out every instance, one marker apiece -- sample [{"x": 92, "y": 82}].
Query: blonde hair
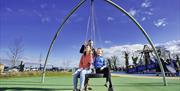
[
  {"x": 88, "y": 51},
  {"x": 100, "y": 49}
]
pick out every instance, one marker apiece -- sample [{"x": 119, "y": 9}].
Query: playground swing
[
  {"x": 120, "y": 9},
  {"x": 91, "y": 32}
]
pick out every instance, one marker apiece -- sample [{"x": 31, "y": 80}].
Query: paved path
[{"x": 143, "y": 76}]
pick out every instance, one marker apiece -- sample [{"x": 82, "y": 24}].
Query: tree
[
  {"x": 126, "y": 60},
  {"x": 21, "y": 66},
  {"x": 134, "y": 60},
  {"x": 114, "y": 60},
  {"x": 109, "y": 63},
  {"x": 40, "y": 60},
  {"x": 15, "y": 52},
  {"x": 177, "y": 60}
]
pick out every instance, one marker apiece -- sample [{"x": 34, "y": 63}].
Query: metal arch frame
[
  {"x": 145, "y": 34},
  {"x": 57, "y": 33},
  {"x": 123, "y": 11}
]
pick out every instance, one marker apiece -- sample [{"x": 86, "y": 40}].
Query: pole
[
  {"x": 145, "y": 34},
  {"x": 57, "y": 32}
]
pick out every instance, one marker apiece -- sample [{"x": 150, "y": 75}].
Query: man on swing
[{"x": 90, "y": 43}]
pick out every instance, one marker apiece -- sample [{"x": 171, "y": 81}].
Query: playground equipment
[
  {"x": 171, "y": 69},
  {"x": 145, "y": 63},
  {"x": 148, "y": 63},
  {"x": 94, "y": 75},
  {"x": 121, "y": 10}
]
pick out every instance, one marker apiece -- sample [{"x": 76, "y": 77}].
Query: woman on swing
[{"x": 84, "y": 68}]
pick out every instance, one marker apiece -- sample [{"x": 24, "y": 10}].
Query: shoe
[
  {"x": 76, "y": 90},
  {"x": 82, "y": 90},
  {"x": 105, "y": 85},
  {"x": 89, "y": 88}
]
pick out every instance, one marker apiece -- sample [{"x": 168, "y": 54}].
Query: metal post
[
  {"x": 145, "y": 34},
  {"x": 57, "y": 32}
]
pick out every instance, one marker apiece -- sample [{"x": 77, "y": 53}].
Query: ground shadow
[
  {"x": 123, "y": 84},
  {"x": 32, "y": 89},
  {"x": 139, "y": 84},
  {"x": 148, "y": 84},
  {"x": 23, "y": 81},
  {"x": 35, "y": 84}
]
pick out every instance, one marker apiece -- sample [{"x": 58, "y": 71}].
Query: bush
[{"x": 32, "y": 74}]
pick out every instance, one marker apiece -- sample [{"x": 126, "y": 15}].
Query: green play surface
[{"x": 64, "y": 83}]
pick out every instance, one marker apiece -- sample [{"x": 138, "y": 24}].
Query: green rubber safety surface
[{"x": 64, "y": 83}]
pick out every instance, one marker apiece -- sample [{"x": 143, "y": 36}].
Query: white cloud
[
  {"x": 160, "y": 22},
  {"x": 21, "y": 10},
  {"x": 27, "y": 59},
  {"x": 121, "y": 48},
  {"x": 107, "y": 42},
  {"x": 143, "y": 19},
  {"x": 76, "y": 18},
  {"x": 9, "y": 9},
  {"x": 109, "y": 18},
  {"x": 151, "y": 9},
  {"x": 45, "y": 19},
  {"x": 146, "y": 4},
  {"x": 119, "y": 51},
  {"x": 148, "y": 12},
  {"x": 132, "y": 12},
  {"x": 172, "y": 46},
  {"x": 43, "y": 5},
  {"x": 37, "y": 13}
]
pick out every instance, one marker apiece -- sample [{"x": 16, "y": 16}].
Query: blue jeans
[{"x": 82, "y": 78}]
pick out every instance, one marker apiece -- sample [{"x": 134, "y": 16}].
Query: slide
[{"x": 171, "y": 69}]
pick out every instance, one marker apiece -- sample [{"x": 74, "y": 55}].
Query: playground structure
[
  {"x": 148, "y": 63},
  {"x": 121, "y": 10}
]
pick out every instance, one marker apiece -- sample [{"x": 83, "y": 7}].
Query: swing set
[{"x": 91, "y": 24}]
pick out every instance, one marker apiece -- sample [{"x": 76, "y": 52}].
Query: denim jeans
[{"x": 82, "y": 78}]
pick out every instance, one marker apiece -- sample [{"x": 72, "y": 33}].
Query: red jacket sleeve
[{"x": 81, "y": 62}]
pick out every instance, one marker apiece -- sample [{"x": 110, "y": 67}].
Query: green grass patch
[{"x": 64, "y": 83}]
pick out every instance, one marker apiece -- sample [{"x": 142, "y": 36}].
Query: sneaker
[
  {"x": 105, "y": 85},
  {"x": 89, "y": 88},
  {"x": 82, "y": 90},
  {"x": 76, "y": 90}
]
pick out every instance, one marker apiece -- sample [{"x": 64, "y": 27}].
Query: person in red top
[{"x": 84, "y": 68}]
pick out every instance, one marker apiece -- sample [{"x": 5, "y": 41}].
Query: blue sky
[{"x": 36, "y": 21}]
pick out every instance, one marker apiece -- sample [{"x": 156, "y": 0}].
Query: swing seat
[{"x": 94, "y": 75}]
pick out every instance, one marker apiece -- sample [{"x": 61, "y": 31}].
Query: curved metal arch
[
  {"x": 145, "y": 34},
  {"x": 57, "y": 33},
  {"x": 122, "y": 10}
]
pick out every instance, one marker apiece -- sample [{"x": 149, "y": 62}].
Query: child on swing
[
  {"x": 100, "y": 66},
  {"x": 84, "y": 68}
]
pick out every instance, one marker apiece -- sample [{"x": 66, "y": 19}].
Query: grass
[{"x": 64, "y": 83}]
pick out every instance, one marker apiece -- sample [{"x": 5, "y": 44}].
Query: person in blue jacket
[{"x": 100, "y": 66}]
